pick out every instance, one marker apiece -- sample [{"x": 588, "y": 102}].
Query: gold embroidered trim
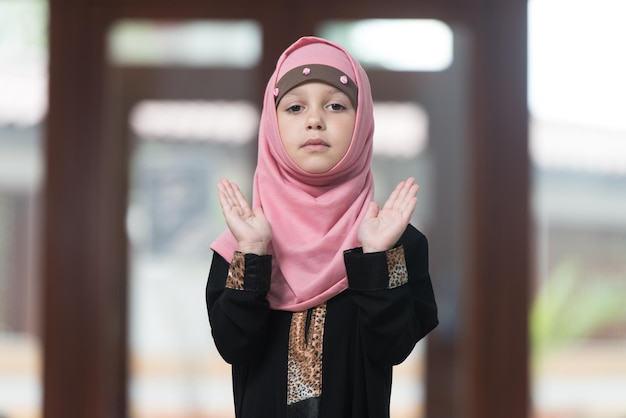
[{"x": 304, "y": 368}]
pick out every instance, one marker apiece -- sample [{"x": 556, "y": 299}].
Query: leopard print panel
[
  {"x": 235, "y": 271},
  {"x": 396, "y": 266},
  {"x": 304, "y": 363}
]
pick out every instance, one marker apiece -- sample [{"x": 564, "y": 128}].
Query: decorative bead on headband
[{"x": 316, "y": 72}]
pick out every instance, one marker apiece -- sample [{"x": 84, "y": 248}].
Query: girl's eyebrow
[
  {"x": 297, "y": 94},
  {"x": 330, "y": 89}
]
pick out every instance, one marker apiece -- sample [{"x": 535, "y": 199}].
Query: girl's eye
[
  {"x": 337, "y": 106},
  {"x": 294, "y": 108}
]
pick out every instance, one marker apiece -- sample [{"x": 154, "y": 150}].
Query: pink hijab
[{"x": 314, "y": 217}]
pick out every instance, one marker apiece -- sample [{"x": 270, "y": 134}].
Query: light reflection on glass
[
  {"x": 395, "y": 44},
  {"x": 185, "y": 43}
]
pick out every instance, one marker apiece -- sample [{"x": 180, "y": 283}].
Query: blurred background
[{"x": 188, "y": 95}]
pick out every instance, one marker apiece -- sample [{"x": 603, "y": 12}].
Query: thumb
[
  {"x": 372, "y": 210},
  {"x": 258, "y": 211}
]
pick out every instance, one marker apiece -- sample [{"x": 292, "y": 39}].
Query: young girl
[{"x": 315, "y": 292}]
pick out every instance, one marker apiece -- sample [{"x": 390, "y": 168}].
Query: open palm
[
  {"x": 382, "y": 228},
  {"x": 249, "y": 226}
]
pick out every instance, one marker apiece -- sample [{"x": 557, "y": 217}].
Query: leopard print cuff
[
  {"x": 396, "y": 266},
  {"x": 235, "y": 271}
]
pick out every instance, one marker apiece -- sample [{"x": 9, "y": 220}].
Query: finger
[
  {"x": 225, "y": 194},
  {"x": 408, "y": 188},
  {"x": 229, "y": 189},
  {"x": 409, "y": 207},
  {"x": 224, "y": 186},
  {"x": 411, "y": 193},
  {"x": 407, "y": 194},
  {"x": 235, "y": 197},
  {"x": 227, "y": 208},
  {"x": 222, "y": 193},
  {"x": 223, "y": 199},
  {"x": 258, "y": 211},
  {"x": 410, "y": 201},
  {"x": 399, "y": 194},
  {"x": 405, "y": 188},
  {"x": 239, "y": 197}
]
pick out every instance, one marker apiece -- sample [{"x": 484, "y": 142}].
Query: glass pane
[
  {"x": 23, "y": 80},
  {"x": 578, "y": 151},
  {"x": 173, "y": 216},
  {"x": 182, "y": 146}
]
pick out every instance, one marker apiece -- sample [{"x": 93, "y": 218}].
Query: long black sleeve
[
  {"x": 238, "y": 316},
  {"x": 394, "y": 313}
]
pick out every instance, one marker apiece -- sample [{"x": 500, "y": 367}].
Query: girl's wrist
[
  {"x": 370, "y": 250},
  {"x": 257, "y": 248}
]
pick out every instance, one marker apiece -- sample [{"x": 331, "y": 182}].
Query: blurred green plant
[{"x": 569, "y": 307}]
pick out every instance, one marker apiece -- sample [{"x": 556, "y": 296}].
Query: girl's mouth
[{"x": 315, "y": 144}]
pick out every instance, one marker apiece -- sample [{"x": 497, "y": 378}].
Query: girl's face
[{"x": 316, "y": 121}]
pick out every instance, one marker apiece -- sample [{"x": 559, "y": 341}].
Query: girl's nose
[{"x": 315, "y": 121}]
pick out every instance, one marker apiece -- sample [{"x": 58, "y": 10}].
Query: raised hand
[
  {"x": 249, "y": 226},
  {"x": 382, "y": 228}
]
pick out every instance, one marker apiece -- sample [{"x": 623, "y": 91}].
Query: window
[
  {"x": 184, "y": 140},
  {"x": 578, "y": 154}
]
